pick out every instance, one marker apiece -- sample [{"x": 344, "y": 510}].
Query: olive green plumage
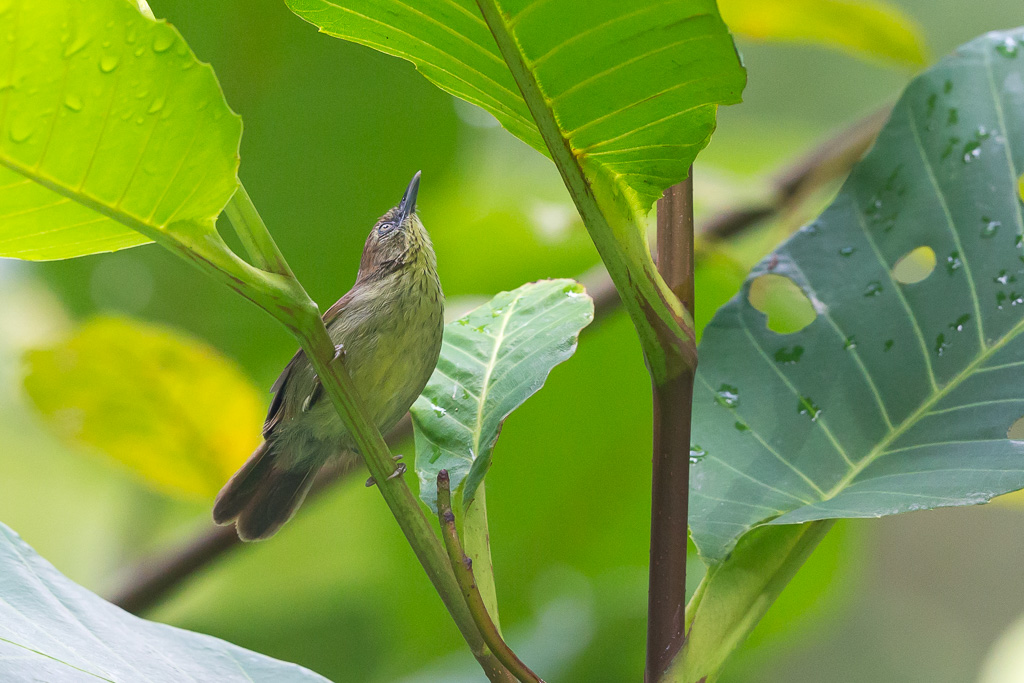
[{"x": 389, "y": 328}]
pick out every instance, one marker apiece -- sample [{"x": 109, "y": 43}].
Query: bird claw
[{"x": 399, "y": 471}]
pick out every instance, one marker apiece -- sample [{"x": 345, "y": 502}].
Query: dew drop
[
  {"x": 21, "y": 130},
  {"x": 888, "y": 344},
  {"x": 438, "y": 410},
  {"x": 1008, "y": 48},
  {"x": 76, "y": 46},
  {"x": 850, "y": 343},
  {"x": 73, "y": 102},
  {"x": 156, "y": 106},
  {"x": 989, "y": 227},
  {"x": 950, "y": 146},
  {"x": 941, "y": 344},
  {"x": 108, "y": 63},
  {"x": 1000, "y": 300},
  {"x": 727, "y": 396},
  {"x": 953, "y": 262},
  {"x": 953, "y": 118},
  {"x": 435, "y": 454},
  {"x": 789, "y": 355},
  {"x": 807, "y": 407},
  {"x": 972, "y": 151},
  {"x": 163, "y": 42},
  {"x": 847, "y": 251},
  {"x": 958, "y": 324},
  {"x": 740, "y": 427},
  {"x": 696, "y": 454},
  {"x": 874, "y": 288},
  {"x": 1004, "y": 278}
]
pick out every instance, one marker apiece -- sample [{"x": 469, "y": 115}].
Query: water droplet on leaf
[
  {"x": 874, "y": 288},
  {"x": 727, "y": 396},
  {"x": 958, "y": 324},
  {"x": 989, "y": 227},
  {"x": 807, "y": 407},
  {"x": 108, "y": 63},
  {"x": 696, "y": 454},
  {"x": 850, "y": 343},
  {"x": 73, "y": 102},
  {"x": 847, "y": 251},
  {"x": 788, "y": 356}
]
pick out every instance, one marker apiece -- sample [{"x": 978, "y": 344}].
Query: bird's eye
[{"x": 385, "y": 228}]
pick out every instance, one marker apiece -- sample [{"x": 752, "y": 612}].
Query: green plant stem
[
  {"x": 734, "y": 595},
  {"x": 663, "y": 325},
  {"x": 477, "y": 543},
  {"x": 255, "y": 236},
  {"x": 463, "y": 568},
  {"x": 670, "y": 475},
  {"x": 309, "y": 328}
]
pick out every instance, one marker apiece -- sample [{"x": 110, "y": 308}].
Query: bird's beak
[{"x": 408, "y": 205}]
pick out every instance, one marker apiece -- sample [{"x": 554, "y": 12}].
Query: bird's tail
[{"x": 262, "y": 496}]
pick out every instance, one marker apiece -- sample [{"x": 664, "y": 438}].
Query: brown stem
[
  {"x": 463, "y": 568},
  {"x": 151, "y": 580},
  {"x": 673, "y": 399}
]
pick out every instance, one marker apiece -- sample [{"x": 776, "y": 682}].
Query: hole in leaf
[
  {"x": 915, "y": 266},
  {"x": 1016, "y": 430},
  {"x": 778, "y": 297}
]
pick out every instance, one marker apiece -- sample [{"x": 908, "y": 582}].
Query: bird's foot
[
  {"x": 339, "y": 351},
  {"x": 399, "y": 471}
]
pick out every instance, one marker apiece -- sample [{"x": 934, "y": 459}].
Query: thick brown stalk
[
  {"x": 152, "y": 579},
  {"x": 670, "y": 477}
]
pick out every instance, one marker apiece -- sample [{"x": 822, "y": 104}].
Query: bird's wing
[{"x": 277, "y": 403}]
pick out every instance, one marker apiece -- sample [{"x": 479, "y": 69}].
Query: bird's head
[{"x": 397, "y": 239}]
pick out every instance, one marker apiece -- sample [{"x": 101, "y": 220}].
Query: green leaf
[
  {"x": 172, "y": 410},
  {"x": 112, "y": 133},
  {"x": 898, "y": 395},
  {"x": 622, "y": 96},
  {"x": 874, "y": 29},
  {"x": 633, "y": 85},
  {"x": 492, "y": 360},
  {"x": 54, "y": 630}
]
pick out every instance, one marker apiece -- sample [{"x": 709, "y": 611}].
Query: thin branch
[
  {"x": 670, "y": 476},
  {"x": 463, "y": 568},
  {"x": 152, "y": 579}
]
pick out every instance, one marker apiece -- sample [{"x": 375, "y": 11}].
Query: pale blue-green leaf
[
  {"x": 899, "y": 395},
  {"x": 52, "y": 629},
  {"x": 492, "y": 360}
]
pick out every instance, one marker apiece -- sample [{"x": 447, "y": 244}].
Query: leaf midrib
[
  {"x": 912, "y": 419},
  {"x": 485, "y": 385}
]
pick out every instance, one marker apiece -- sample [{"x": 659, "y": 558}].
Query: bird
[{"x": 388, "y": 330}]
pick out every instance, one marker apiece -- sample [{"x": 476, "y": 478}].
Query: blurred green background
[{"x": 333, "y": 132}]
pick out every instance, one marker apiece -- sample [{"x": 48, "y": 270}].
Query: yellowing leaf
[
  {"x": 171, "y": 409},
  {"x": 873, "y": 29}
]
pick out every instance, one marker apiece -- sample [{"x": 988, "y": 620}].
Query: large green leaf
[
  {"x": 622, "y": 95},
  {"x": 172, "y": 410},
  {"x": 865, "y": 27},
  {"x": 54, "y": 630},
  {"x": 633, "y": 84},
  {"x": 110, "y": 131},
  {"x": 897, "y": 396},
  {"x": 492, "y": 360}
]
